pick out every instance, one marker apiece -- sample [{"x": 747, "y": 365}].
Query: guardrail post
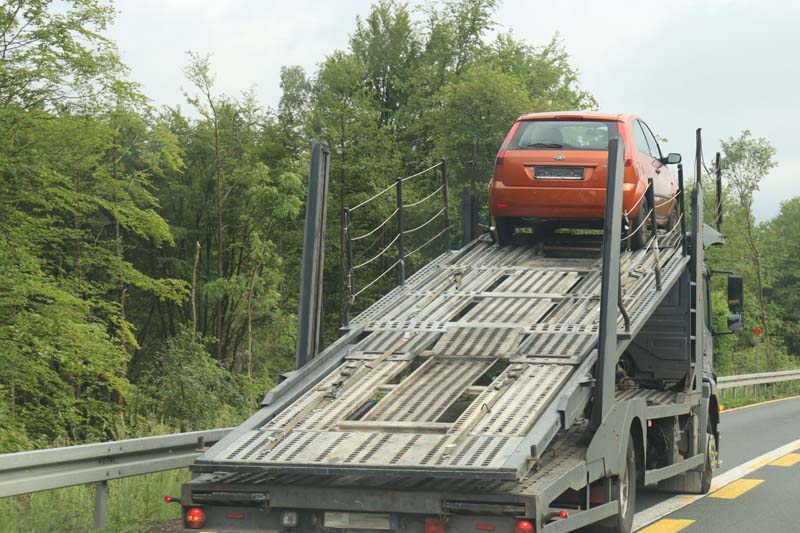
[
  {"x": 401, "y": 271},
  {"x": 445, "y": 193},
  {"x": 651, "y": 199},
  {"x": 100, "y": 504}
]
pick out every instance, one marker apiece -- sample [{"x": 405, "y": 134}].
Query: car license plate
[
  {"x": 374, "y": 521},
  {"x": 558, "y": 173}
]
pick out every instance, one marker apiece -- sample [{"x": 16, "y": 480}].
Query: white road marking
[{"x": 660, "y": 510}]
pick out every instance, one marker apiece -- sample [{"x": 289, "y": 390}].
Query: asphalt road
[{"x": 765, "y": 499}]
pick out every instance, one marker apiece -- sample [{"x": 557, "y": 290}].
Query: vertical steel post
[
  {"x": 401, "y": 271},
  {"x": 446, "y": 195},
  {"x": 309, "y": 327},
  {"x": 697, "y": 357},
  {"x": 718, "y": 172},
  {"x": 100, "y": 504},
  {"x": 651, "y": 200},
  {"x": 350, "y": 272},
  {"x": 609, "y": 292},
  {"x": 682, "y": 204},
  {"x": 473, "y": 174}
]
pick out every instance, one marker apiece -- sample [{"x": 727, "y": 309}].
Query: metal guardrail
[
  {"x": 54, "y": 468},
  {"x": 761, "y": 378}
]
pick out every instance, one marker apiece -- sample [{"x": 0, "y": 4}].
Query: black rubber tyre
[
  {"x": 639, "y": 239},
  {"x": 624, "y": 488},
  {"x": 673, "y": 216},
  {"x": 504, "y": 230},
  {"x": 709, "y": 465}
]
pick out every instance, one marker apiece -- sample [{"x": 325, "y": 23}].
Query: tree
[{"x": 746, "y": 162}]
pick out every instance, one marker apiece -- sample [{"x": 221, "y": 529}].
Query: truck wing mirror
[
  {"x": 735, "y": 294},
  {"x": 671, "y": 159},
  {"x": 735, "y": 303}
]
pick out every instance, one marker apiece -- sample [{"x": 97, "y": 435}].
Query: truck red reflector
[
  {"x": 195, "y": 518},
  {"x": 502, "y": 205},
  {"x": 485, "y": 527},
  {"x": 433, "y": 525},
  {"x": 523, "y": 526},
  {"x": 563, "y": 514},
  {"x": 235, "y": 516}
]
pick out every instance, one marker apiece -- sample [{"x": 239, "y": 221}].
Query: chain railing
[{"x": 391, "y": 235}]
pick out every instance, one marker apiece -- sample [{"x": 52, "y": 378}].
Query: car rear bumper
[{"x": 553, "y": 203}]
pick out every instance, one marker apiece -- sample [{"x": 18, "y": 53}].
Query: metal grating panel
[{"x": 425, "y": 347}]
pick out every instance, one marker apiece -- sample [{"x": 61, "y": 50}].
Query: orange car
[{"x": 551, "y": 171}]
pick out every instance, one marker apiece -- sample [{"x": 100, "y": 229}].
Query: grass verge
[{"x": 134, "y": 504}]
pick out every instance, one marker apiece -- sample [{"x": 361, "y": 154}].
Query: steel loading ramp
[{"x": 456, "y": 373}]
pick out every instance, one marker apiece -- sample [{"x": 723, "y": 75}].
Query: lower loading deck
[
  {"x": 560, "y": 469},
  {"x": 457, "y": 373}
]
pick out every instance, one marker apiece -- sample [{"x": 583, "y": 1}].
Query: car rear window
[{"x": 563, "y": 135}]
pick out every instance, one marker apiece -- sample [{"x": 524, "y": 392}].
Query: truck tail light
[
  {"x": 433, "y": 525},
  {"x": 195, "y": 518},
  {"x": 523, "y": 526}
]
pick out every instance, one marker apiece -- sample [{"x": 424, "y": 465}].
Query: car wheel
[
  {"x": 638, "y": 225},
  {"x": 673, "y": 218},
  {"x": 503, "y": 230}
]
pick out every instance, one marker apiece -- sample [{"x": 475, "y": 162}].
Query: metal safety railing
[
  {"x": 55, "y": 468},
  {"x": 389, "y": 236}
]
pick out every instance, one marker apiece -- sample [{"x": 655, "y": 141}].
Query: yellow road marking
[
  {"x": 759, "y": 403},
  {"x": 736, "y": 489},
  {"x": 667, "y": 525},
  {"x": 790, "y": 459}
]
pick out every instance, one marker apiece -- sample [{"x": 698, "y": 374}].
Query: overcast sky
[{"x": 723, "y": 65}]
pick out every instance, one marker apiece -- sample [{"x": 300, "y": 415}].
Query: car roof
[{"x": 579, "y": 115}]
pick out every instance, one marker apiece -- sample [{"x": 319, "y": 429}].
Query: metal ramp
[{"x": 456, "y": 372}]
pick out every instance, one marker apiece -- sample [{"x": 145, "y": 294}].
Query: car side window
[
  {"x": 640, "y": 139},
  {"x": 655, "y": 150}
]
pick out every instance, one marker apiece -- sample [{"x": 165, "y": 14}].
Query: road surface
[{"x": 760, "y": 450}]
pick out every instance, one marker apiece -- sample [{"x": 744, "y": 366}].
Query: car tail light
[
  {"x": 523, "y": 526},
  {"x": 623, "y": 133},
  {"x": 502, "y": 152},
  {"x": 195, "y": 518},
  {"x": 433, "y": 525}
]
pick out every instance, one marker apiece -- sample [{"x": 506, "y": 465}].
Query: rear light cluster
[
  {"x": 524, "y": 526},
  {"x": 502, "y": 152},
  {"x": 195, "y": 518},
  {"x": 433, "y": 525}
]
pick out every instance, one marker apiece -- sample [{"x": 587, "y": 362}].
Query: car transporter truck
[{"x": 513, "y": 388}]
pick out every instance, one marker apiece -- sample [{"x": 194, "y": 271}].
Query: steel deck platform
[{"x": 450, "y": 373}]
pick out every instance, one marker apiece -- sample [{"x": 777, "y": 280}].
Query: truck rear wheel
[
  {"x": 710, "y": 463},
  {"x": 624, "y": 489}
]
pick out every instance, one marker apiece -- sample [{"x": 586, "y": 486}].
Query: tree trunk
[
  {"x": 759, "y": 282},
  {"x": 194, "y": 288},
  {"x": 220, "y": 270}
]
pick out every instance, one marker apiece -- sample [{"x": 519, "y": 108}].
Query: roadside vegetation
[{"x": 149, "y": 255}]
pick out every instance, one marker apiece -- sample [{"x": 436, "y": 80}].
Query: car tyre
[
  {"x": 638, "y": 240},
  {"x": 504, "y": 230}
]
